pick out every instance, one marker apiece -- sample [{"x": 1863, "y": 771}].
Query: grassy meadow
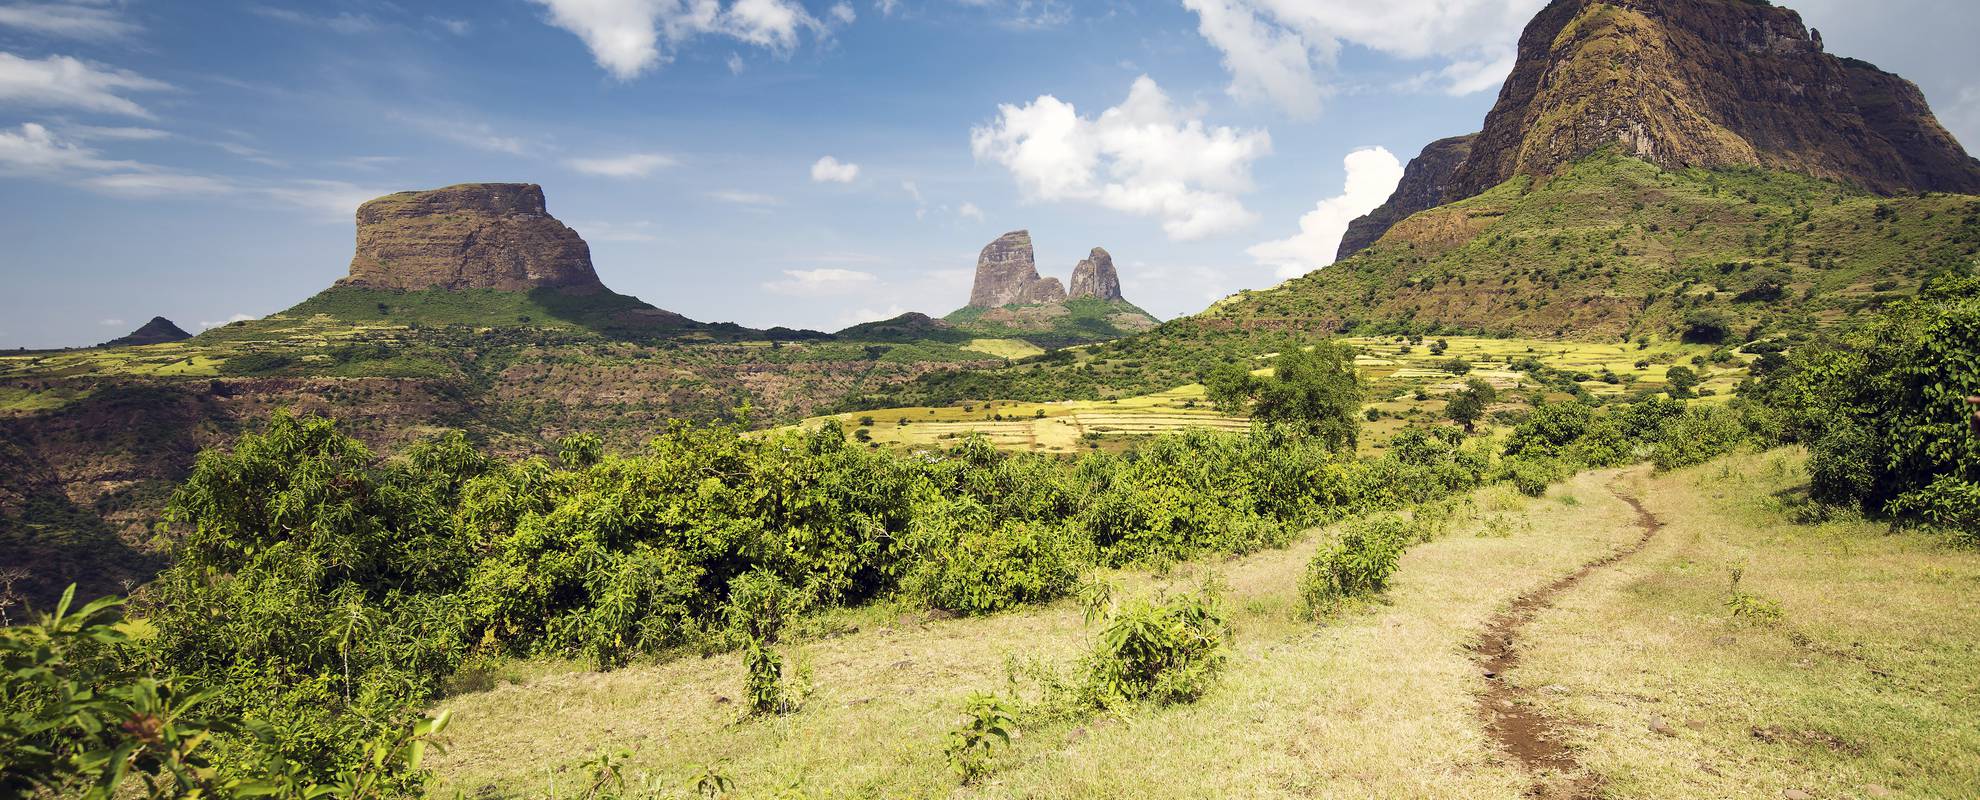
[{"x": 1667, "y": 693}]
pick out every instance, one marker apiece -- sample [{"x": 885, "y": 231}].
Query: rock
[
  {"x": 1007, "y": 274},
  {"x": 1661, "y": 728},
  {"x": 158, "y": 331},
  {"x": 1686, "y": 83},
  {"x": 1875, "y": 790},
  {"x": 472, "y": 236},
  {"x": 1796, "y": 794},
  {"x": 1095, "y": 277},
  {"x": 1426, "y": 182}
]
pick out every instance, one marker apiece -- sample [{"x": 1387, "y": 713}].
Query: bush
[
  {"x": 1164, "y": 651},
  {"x": 1702, "y": 434},
  {"x": 1356, "y": 563},
  {"x": 1532, "y": 476},
  {"x": 964, "y": 563}
]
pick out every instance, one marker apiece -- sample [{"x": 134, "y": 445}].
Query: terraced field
[{"x": 1408, "y": 384}]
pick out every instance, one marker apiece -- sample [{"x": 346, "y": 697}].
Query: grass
[
  {"x": 1869, "y": 679},
  {"x": 1374, "y": 704},
  {"x": 1394, "y": 368}
]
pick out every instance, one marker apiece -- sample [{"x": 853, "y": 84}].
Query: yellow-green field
[
  {"x": 1864, "y": 684},
  {"x": 1395, "y": 369}
]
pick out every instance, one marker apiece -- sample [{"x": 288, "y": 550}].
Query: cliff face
[
  {"x": 1007, "y": 274},
  {"x": 1095, "y": 277},
  {"x": 1690, "y": 83},
  {"x": 472, "y": 236},
  {"x": 1426, "y": 182}
]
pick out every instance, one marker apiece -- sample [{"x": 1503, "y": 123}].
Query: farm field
[
  {"x": 1378, "y": 701},
  {"x": 1408, "y": 380}
]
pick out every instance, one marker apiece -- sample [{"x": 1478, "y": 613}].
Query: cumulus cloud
[
  {"x": 1145, "y": 156},
  {"x": 1372, "y": 175},
  {"x": 1282, "y": 51},
  {"x": 230, "y": 320},
  {"x": 632, "y": 165},
  {"x": 970, "y": 211},
  {"x": 629, "y": 37},
  {"x": 822, "y": 282},
  {"x": 832, "y": 170},
  {"x": 64, "y": 82},
  {"x": 70, "y": 20},
  {"x": 844, "y": 14}
]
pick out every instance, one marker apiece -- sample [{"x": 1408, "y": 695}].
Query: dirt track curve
[{"x": 1517, "y": 727}]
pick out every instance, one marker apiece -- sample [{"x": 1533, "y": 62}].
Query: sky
[{"x": 809, "y": 163}]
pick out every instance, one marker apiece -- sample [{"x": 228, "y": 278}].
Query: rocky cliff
[
  {"x": 471, "y": 236},
  {"x": 1095, "y": 277},
  {"x": 158, "y": 331},
  {"x": 1688, "y": 83},
  {"x": 1007, "y": 274}
]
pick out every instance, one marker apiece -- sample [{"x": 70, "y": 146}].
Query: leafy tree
[
  {"x": 1315, "y": 392},
  {"x": 1466, "y": 407},
  {"x": 1681, "y": 380},
  {"x": 1706, "y": 326}
]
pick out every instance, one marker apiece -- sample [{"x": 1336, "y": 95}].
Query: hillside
[{"x": 1010, "y": 300}]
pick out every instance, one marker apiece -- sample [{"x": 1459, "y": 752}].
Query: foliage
[
  {"x": 1467, "y": 406},
  {"x": 1167, "y": 650},
  {"x": 1883, "y": 407},
  {"x": 990, "y": 723},
  {"x": 1702, "y": 434},
  {"x": 1315, "y": 391},
  {"x": 1356, "y": 563}
]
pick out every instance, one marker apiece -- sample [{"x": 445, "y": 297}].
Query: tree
[
  {"x": 1681, "y": 380},
  {"x": 1468, "y": 406},
  {"x": 1706, "y": 326},
  {"x": 1314, "y": 392}
]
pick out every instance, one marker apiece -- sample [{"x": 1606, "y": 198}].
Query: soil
[{"x": 1516, "y": 725}]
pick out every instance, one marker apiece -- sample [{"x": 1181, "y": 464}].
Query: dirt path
[{"x": 1514, "y": 724}]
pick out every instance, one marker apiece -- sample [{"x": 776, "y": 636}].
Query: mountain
[
  {"x": 1709, "y": 84},
  {"x": 1009, "y": 300},
  {"x": 158, "y": 331}
]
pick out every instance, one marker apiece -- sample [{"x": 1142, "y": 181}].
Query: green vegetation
[{"x": 1080, "y": 320}]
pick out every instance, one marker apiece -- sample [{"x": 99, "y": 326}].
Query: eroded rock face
[
  {"x": 1095, "y": 277},
  {"x": 1690, "y": 83},
  {"x": 1425, "y": 184},
  {"x": 1007, "y": 274},
  {"x": 472, "y": 236}
]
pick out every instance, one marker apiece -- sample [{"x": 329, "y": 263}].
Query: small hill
[
  {"x": 158, "y": 331},
  {"x": 1687, "y": 84},
  {"x": 1010, "y": 301},
  {"x": 910, "y": 327}
]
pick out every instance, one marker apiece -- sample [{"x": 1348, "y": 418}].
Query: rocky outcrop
[
  {"x": 158, "y": 331},
  {"x": 1095, "y": 277},
  {"x": 1426, "y": 183},
  {"x": 472, "y": 236},
  {"x": 1007, "y": 274},
  {"x": 1693, "y": 83}
]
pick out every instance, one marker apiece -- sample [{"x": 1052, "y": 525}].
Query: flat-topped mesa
[
  {"x": 1007, "y": 274},
  {"x": 1095, "y": 277},
  {"x": 471, "y": 236},
  {"x": 1682, "y": 84}
]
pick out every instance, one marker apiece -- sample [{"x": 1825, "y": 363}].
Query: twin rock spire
[{"x": 1007, "y": 274}]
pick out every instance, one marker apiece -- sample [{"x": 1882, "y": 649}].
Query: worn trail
[{"x": 1517, "y": 726}]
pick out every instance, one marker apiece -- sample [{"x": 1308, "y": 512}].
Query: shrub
[
  {"x": 1550, "y": 430},
  {"x": 964, "y": 563},
  {"x": 1356, "y": 563},
  {"x": 989, "y": 724},
  {"x": 1163, "y": 651},
  {"x": 1702, "y": 434},
  {"x": 1531, "y": 476}
]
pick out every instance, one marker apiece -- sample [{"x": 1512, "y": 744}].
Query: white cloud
[
  {"x": 109, "y": 322},
  {"x": 87, "y": 132},
  {"x": 156, "y": 184},
  {"x": 844, "y": 14},
  {"x": 739, "y": 198},
  {"x": 457, "y": 27},
  {"x": 736, "y": 65},
  {"x": 629, "y": 37},
  {"x": 970, "y": 211},
  {"x": 64, "y": 82},
  {"x": 1145, "y": 156},
  {"x": 632, "y": 165},
  {"x": 329, "y": 201},
  {"x": 70, "y": 20},
  {"x": 33, "y": 150},
  {"x": 1282, "y": 51},
  {"x": 887, "y": 7},
  {"x": 478, "y": 135},
  {"x": 233, "y": 319},
  {"x": 343, "y": 22},
  {"x": 831, "y": 170},
  {"x": 862, "y": 316},
  {"x": 1372, "y": 175},
  {"x": 822, "y": 282},
  {"x": 641, "y": 231}
]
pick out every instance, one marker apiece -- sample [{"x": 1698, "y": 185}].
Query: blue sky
[{"x": 769, "y": 162}]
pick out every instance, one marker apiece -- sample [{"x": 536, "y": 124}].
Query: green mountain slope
[{"x": 1080, "y": 320}]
